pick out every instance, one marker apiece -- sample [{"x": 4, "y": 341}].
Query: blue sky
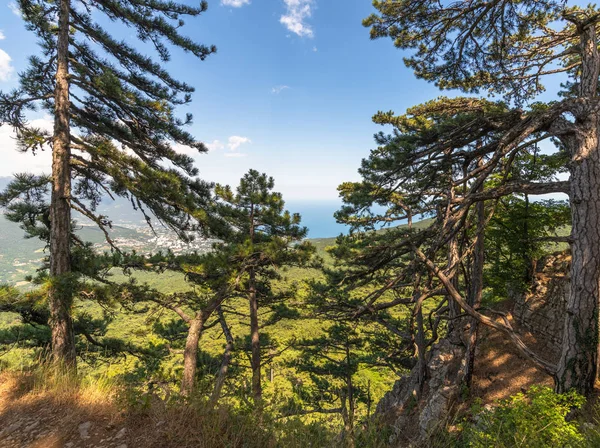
[{"x": 290, "y": 91}]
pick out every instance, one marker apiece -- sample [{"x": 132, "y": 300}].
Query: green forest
[{"x": 459, "y": 309}]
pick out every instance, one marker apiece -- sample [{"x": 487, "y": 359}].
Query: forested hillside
[{"x": 142, "y": 304}]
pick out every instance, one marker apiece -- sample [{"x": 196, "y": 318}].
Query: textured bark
[
  {"x": 578, "y": 363},
  {"x": 421, "y": 348},
  {"x": 226, "y": 359},
  {"x": 60, "y": 294},
  {"x": 454, "y": 322},
  {"x": 190, "y": 355},
  {"x": 196, "y": 327},
  {"x": 255, "y": 340},
  {"x": 577, "y": 367}
]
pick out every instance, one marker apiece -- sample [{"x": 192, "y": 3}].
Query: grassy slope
[{"x": 138, "y": 327}]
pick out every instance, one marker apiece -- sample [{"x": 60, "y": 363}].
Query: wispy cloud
[
  {"x": 233, "y": 145},
  {"x": 2, "y": 36},
  {"x": 297, "y": 11},
  {"x": 214, "y": 145},
  {"x": 6, "y": 67},
  {"x": 235, "y": 141},
  {"x": 235, "y": 3},
  {"x": 188, "y": 150},
  {"x": 15, "y": 9},
  {"x": 278, "y": 89},
  {"x": 15, "y": 161},
  {"x": 315, "y": 49}
]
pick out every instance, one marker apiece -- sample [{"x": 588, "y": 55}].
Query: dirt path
[{"x": 38, "y": 420}]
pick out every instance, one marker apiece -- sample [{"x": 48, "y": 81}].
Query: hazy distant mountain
[{"x": 19, "y": 256}]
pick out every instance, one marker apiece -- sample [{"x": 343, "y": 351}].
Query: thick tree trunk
[
  {"x": 226, "y": 359},
  {"x": 190, "y": 355},
  {"x": 255, "y": 341},
  {"x": 578, "y": 363},
  {"x": 60, "y": 296}
]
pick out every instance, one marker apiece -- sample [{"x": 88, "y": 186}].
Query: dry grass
[{"x": 46, "y": 409}]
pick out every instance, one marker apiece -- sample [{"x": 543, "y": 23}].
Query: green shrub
[{"x": 532, "y": 420}]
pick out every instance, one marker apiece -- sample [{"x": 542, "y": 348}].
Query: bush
[{"x": 533, "y": 420}]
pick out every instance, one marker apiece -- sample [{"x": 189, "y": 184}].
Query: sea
[{"x": 318, "y": 217}]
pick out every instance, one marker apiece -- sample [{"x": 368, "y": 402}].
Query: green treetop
[
  {"x": 115, "y": 125},
  {"x": 261, "y": 238}
]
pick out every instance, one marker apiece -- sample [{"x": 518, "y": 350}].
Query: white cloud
[
  {"x": 183, "y": 149},
  {"x": 6, "y": 68},
  {"x": 14, "y": 161},
  {"x": 233, "y": 145},
  {"x": 278, "y": 89},
  {"x": 296, "y": 14},
  {"x": 188, "y": 150},
  {"x": 15, "y": 9},
  {"x": 315, "y": 49},
  {"x": 2, "y": 36},
  {"x": 214, "y": 145},
  {"x": 235, "y": 3},
  {"x": 235, "y": 141}
]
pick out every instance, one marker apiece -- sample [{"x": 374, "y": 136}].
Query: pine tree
[
  {"x": 263, "y": 238},
  {"x": 114, "y": 125},
  {"x": 451, "y": 161},
  {"x": 509, "y": 48},
  {"x": 215, "y": 278},
  {"x": 332, "y": 362}
]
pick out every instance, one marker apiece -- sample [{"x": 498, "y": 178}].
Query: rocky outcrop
[
  {"x": 541, "y": 311},
  {"x": 414, "y": 415}
]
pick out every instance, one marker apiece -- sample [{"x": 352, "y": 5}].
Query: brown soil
[
  {"x": 89, "y": 418},
  {"x": 501, "y": 370},
  {"x": 39, "y": 420}
]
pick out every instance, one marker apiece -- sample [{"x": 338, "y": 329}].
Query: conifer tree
[
  {"x": 449, "y": 160},
  {"x": 262, "y": 238},
  {"x": 332, "y": 361},
  {"x": 510, "y": 48},
  {"x": 114, "y": 124},
  {"x": 215, "y": 278}
]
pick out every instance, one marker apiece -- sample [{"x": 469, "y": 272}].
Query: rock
[
  {"x": 31, "y": 426},
  {"x": 14, "y": 426},
  {"x": 414, "y": 418},
  {"x": 121, "y": 433},
  {"x": 542, "y": 309},
  {"x": 122, "y": 446},
  {"x": 84, "y": 430}
]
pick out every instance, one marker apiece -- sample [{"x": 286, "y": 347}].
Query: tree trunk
[
  {"x": 60, "y": 295},
  {"x": 476, "y": 291},
  {"x": 226, "y": 359},
  {"x": 578, "y": 363},
  {"x": 255, "y": 341},
  {"x": 454, "y": 322},
  {"x": 190, "y": 355},
  {"x": 421, "y": 347}
]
